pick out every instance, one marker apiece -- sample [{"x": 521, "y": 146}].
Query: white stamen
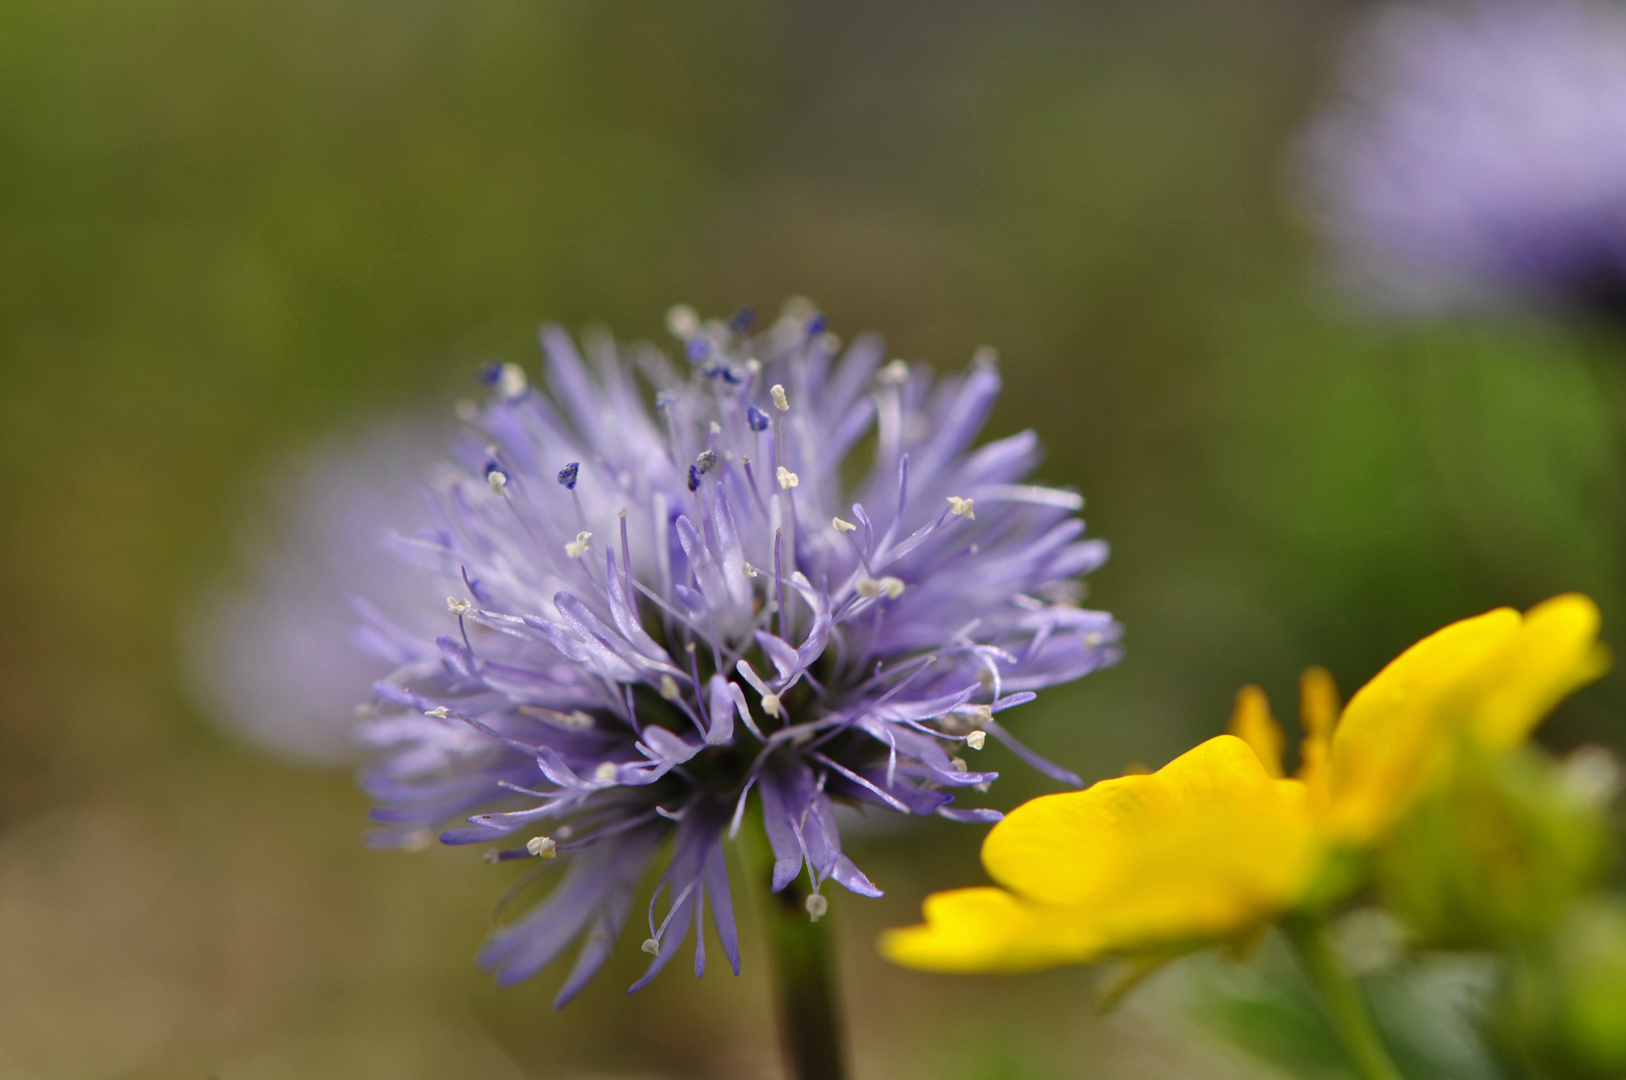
[
  {"x": 869, "y": 588},
  {"x": 894, "y": 374},
  {"x": 497, "y": 481},
  {"x": 716, "y": 428},
  {"x": 458, "y": 607},
  {"x": 651, "y": 946},
  {"x": 842, "y": 526},
  {"x": 787, "y": 479},
  {"x": 770, "y": 705},
  {"x": 491, "y": 856},
  {"x": 578, "y": 547},
  {"x": 750, "y": 571},
  {"x": 682, "y": 320},
  {"x": 962, "y": 507},
  {"x": 418, "y": 840},
  {"x": 1093, "y": 638},
  {"x": 817, "y": 905},
  {"x": 467, "y": 411},
  {"x": 830, "y": 343},
  {"x": 958, "y": 763},
  {"x": 976, "y": 739},
  {"x": 543, "y": 847},
  {"x": 986, "y": 356},
  {"x": 605, "y": 773},
  {"x": 754, "y": 366},
  {"x": 438, "y": 713},
  {"x": 669, "y": 688},
  {"x": 984, "y": 713},
  {"x": 780, "y": 402},
  {"x": 511, "y": 382}
]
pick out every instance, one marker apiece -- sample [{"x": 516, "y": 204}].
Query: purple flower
[
  {"x": 1477, "y": 155},
  {"x": 652, "y": 614}
]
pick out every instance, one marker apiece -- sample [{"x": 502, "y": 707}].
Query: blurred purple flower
[
  {"x": 1476, "y": 155},
  {"x": 274, "y": 655},
  {"x": 647, "y": 616}
]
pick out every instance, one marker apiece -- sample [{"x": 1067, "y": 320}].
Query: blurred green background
[{"x": 229, "y": 230}]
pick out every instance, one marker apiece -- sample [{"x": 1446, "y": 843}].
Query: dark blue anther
[
  {"x": 816, "y": 325},
  {"x": 492, "y": 466},
  {"x": 698, "y": 349},
  {"x": 489, "y": 372},
  {"x": 567, "y": 475},
  {"x": 666, "y": 399},
  {"x": 743, "y": 320},
  {"x": 730, "y": 376},
  {"x": 694, "y": 478},
  {"x": 756, "y": 418}
]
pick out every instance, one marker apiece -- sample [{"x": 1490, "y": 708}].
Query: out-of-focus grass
[{"x": 230, "y": 228}]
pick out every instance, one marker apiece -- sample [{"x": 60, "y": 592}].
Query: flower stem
[
  {"x": 809, "y": 1025},
  {"x": 1346, "y": 1008}
]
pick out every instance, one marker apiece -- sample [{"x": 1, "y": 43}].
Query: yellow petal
[
  {"x": 1555, "y": 653},
  {"x": 1488, "y": 680},
  {"x": 1252, "y": 723},
  {"x": 1202, "y": 848},
  {"x": 989, "y": 929}
]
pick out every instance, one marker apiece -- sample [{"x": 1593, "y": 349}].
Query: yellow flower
[{"x": 1216, "y": 843}]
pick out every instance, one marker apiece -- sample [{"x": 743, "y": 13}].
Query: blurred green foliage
[
  {"x": 1496, "y": 856},
  {"x": 233, "y": 228}
]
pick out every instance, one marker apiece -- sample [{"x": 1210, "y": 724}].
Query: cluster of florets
[
  {"x": 651, "y": 614},
  {"x": 1476, "y": 155}
]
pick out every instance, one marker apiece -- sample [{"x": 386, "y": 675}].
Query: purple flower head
[
  {"x": 652, "y": 614},
  {"x": 1477, "y": 155}
]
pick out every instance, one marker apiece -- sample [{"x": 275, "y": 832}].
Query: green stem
[
  {"x": 809, "y": 1026},
  {"x": 1345, "y": 1007}
]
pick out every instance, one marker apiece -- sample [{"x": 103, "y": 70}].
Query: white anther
[
  {"x": 651, "y": 946},
  {"x": 1093, "y": 638},
  {"x": 780, "y": 402},
  {"x": 438, "y": 713},
  {"x": 842, "y": 526},
  {"x": 770, "y": 705},
  {"x": 787, "y": 479},
  {"x": 869, "y": 588},
  {"x": 984, "y": 713},
  {"x": 986, "y": 356},
  {"x": 976, "y": 739},
  {"x": 511, "y": 382},
  {"x": 578, "y": 547},
  {"x": 467, "y": 411},
  {"x": 543, "y": 847},
  {"x": 682, "y": 320},
  {"x": 491, "y": 856},
  {"x": 605, "y": 773},
  {"x": 894, "y": 374},
  {"x": 459, "y": 607},
  {"x": 716, "y": 428},
  {"x": 750, "y": 571},
  {"x": 366, "y": 711},
  {"x": 417, "y": 840},
  {"x": 817, "y": 905},
  {"x": 958, "y": 763},
  {"x": 754, "y": 366},
  {"x": 962, "y": 507},
  {"x": 497, "y": 481},
  {"x": 669, "y": 688}
]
